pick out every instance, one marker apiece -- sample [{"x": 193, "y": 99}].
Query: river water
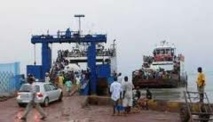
[{"x": 176, "y": 94}]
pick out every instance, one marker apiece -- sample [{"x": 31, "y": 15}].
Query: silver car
[{"x": 46, "y": 93}]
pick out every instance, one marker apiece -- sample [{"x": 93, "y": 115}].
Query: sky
[{"x": 137, "y": 25}]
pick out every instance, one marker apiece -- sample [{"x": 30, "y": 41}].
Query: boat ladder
[{"x": 195, "y": 110}]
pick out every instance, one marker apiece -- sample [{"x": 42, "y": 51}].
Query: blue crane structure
[{"x": 67, "y": 36}]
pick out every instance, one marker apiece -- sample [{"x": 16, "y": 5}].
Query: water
[{"x": 176, "y": 94}]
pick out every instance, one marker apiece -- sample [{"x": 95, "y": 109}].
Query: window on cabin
[
  {"x": 162, "y": 51},
  {"x": 172, "y": 52},
  {"x": 168, "y": 51},
  {"x": 158, "y": 51}
]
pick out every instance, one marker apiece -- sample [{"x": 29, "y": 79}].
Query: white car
[{"x": 46, "y": 93}]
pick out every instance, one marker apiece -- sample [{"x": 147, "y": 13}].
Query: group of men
[{"x": 121, "y": 93}]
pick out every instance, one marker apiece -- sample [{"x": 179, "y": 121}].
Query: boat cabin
[{"x": 164, "y": 52}]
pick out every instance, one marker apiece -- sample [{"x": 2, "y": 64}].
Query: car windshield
[{"x": 26, "y": 88}]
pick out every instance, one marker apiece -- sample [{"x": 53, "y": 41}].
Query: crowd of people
[
  {"x": 70, "y": 81},
  {"x": 77, "y": 52},
  {"x": 124, "y": 95},
  {"x": 149, "y": 74}
]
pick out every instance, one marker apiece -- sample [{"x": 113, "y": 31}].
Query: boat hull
[{"x": 159, "y": 83}]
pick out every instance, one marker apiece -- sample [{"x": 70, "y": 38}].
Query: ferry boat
[
  {"x": 74, "y": 62},
  {"x": 99, "y": 62},
  {"x": 164, "y": 69},
  {"x": 76, "y": 58}
]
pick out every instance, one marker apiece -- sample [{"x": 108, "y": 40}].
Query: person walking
[
  {"x": 33, "y": 101},
  {"x": 61, "y": 81},
  {"x": 136, "y": 96},
  {"x": 148, "y": 97},
  {"x": 200, "y": 83},
  {"x": 68, "y": 85},
  {"x": 47, "y": 77},
  {"x": 148, "y": 94},
  {"x": 127, "y": 94},
  {"x": 115, "y": 90}
]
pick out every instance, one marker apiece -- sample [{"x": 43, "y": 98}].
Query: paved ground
[{"x": 70, "y": 110}]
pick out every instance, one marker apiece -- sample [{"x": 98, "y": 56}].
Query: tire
[
  {"x": 46, "y": 102},
  {"x": 184, "y": 114},
  {"x": 60, "y": 97}
]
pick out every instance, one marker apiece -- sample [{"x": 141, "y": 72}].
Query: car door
[
  {"x": 54, "y": 92},
  {"x": 48, "y": 92}
]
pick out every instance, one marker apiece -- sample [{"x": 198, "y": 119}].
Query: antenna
[{"x": 79, "y": 16}]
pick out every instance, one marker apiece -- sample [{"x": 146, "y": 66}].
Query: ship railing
[
  {"x": 83, "y": 53},
  {"x": 157, "y": 76},
  {"x": 197, "y": 103}
]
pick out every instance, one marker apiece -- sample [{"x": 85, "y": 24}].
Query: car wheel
[
  {"x": 46, "y": 102},
  {"x": 60, "y": 97}
]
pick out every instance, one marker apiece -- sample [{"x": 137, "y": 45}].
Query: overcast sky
[{"x": 137, "y": 25}]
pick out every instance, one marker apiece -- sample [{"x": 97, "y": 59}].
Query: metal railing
[{"x": 200, "y": 110}]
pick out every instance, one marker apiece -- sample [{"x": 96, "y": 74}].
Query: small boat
[{"x": 164, "y": 69}]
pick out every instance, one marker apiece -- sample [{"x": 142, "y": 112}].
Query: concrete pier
[{"x": 156, "y": 105}]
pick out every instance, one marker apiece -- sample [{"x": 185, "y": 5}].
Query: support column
[
  {"x": 91, "y": 63},
  {"x": 46, "y": 59}
]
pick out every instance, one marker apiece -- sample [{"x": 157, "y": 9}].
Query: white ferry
[{"x": 164, "y": 69}]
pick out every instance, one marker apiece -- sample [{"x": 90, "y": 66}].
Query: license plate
[
  {"x": 25, "y": 101},
  {"x": 25, "y": 96}
]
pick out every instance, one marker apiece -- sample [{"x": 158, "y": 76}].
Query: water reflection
[{"x": 176, "y": 94}]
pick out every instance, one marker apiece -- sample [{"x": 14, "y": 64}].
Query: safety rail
[{"x": 194, "y": 110}]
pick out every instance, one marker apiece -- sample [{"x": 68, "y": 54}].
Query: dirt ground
[{"x": 70, "y": 110}]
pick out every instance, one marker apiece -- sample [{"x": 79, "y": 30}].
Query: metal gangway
[{"x": 194, "y": 109}]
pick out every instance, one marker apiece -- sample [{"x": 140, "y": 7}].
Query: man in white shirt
[
  {"x": 47, "y": 77},
  {"x": 115, "y": 90},
  {"x": 33, "y": 102},
  {"x": 127, "y": 94}
]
